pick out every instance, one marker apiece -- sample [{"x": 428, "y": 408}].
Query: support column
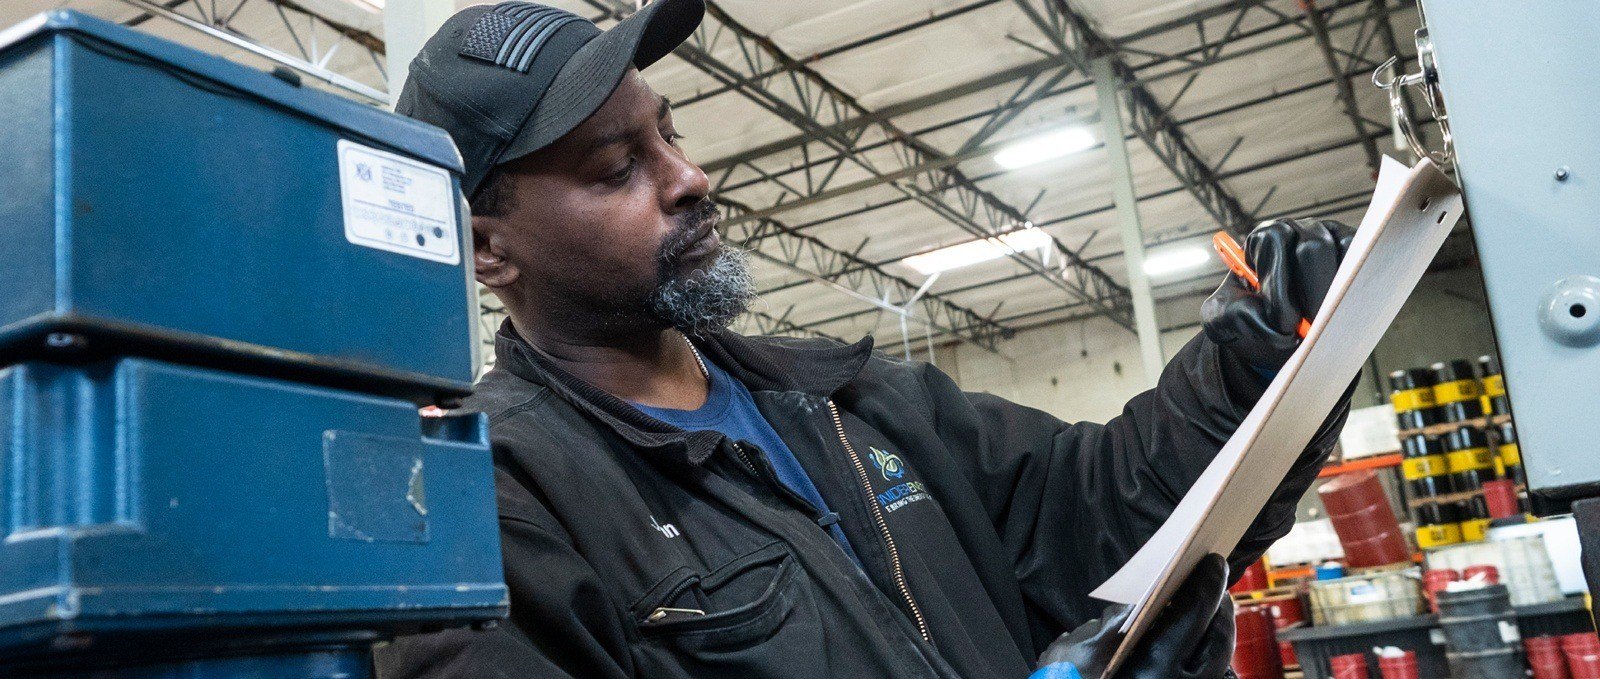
[
  {"x": 1108, "y": 86},
  {"x": 407, "y": 24}
]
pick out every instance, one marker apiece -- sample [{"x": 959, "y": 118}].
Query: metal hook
[
  {"x": 1402, "y": 80},
  {"x": 1386, "y": 65},
  {"x": 1423, "y": 80}
]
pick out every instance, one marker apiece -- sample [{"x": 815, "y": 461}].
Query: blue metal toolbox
[
  {"x": 175, "y": 204},
  {"x": 144, "y": 499}
]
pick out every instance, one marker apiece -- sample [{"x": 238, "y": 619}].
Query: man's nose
[{"x": 687, "y": 184}]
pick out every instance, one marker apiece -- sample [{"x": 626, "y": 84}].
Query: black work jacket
[{"x": 633, "y": 549}]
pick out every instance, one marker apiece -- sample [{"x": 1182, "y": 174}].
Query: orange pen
[{"x": 1233, "y": 256}]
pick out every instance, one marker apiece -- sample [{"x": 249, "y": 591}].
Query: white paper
[{"x": 1411, "y": 213}]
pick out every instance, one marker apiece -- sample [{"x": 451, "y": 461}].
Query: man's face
[{"x": 612, "y": 223}]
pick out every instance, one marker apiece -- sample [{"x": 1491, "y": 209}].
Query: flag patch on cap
[{"x": 512, "y": 33}]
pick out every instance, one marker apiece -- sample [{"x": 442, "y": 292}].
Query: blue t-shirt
[{"x": 731, "y": 410}]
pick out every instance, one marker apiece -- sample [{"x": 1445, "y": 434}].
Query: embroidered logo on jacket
[
  {"x": 666, "y": 529},
  {"x": 892, "y": 468},
  {"x": 887, "y": 463}
]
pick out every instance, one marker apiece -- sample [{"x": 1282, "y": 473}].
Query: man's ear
[{"x": 488, "y": 252}]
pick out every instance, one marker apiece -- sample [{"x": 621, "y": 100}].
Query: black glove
[
  {"x": 1191, "y": 639},
  {"x": 1295, "y": 260}
]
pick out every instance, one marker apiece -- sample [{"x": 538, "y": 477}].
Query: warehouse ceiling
[{"x": 845, "y": 135}]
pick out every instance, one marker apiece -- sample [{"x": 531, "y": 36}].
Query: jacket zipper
[
  {"x": 883, "y": 525},
  {"x": 745, "y": 459}
]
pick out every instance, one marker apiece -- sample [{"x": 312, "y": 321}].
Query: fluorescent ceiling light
[
  {"x": 973, "y": 252},
  {"x": 1044, "y": 147},
  {"x": 1174, "y": 260}
]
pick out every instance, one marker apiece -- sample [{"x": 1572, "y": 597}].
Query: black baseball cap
[{"x": 506, "y": 80}]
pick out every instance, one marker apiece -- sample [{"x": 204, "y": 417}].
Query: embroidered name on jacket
[{"x": 902, "y": 495}]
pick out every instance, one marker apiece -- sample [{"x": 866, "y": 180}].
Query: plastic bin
[
  {"x": 1315, "y": 646},
  {"x": 1369, "y": 597},
  {"x": 1523, "y": 563}
]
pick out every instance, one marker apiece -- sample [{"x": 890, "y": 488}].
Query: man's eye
[
  {"x": 672, "y": 137},
  {"x": 621, "y": 176}
]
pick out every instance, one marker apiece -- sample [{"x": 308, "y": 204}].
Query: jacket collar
[{"x": 760, "y": 363}]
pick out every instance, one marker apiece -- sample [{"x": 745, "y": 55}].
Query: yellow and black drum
[
  {"x": 1509, "y": 454},
  {"x": 1438, "y": 525},
  {"x": 1456, "y": 390},
  {"x": 1474, "y": 518},
  {"x": 1494, "y": 387},
  {"x": 1425, "y": 468},
  {"x": 1412, "y": 397},
  {"x": 1471, "y": 461}
]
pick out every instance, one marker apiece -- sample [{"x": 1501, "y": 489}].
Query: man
[{"x": 679, "y": 501}]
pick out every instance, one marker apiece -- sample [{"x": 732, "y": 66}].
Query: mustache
[{"x": 692, "y": 223}]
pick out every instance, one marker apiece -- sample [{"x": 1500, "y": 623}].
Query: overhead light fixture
[
  {"x": 973, "y": 252},
  {"x": 1045, "y": 147},
  {"x": 1173, "y": 260},
  {"x": 369, "y": 4}
]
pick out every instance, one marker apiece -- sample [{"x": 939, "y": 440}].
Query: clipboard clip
[{"x": 1389, "y": 78}]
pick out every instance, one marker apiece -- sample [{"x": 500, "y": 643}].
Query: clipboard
[{"x": 1412, "y": 211}]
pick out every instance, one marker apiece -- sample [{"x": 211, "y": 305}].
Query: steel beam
[
  {"x": 815, "y": 192},
  {"x": 1347, "y": 94},
  {"x": 766, "y": 324},
  {"x": 1161, "y": 193},
  {"x": 931, "y": 19},
  {"x": 1231, "y": 108},
  {"x": 311, "y": 62},
  {"x": 852, "y": 124},
  {"x": 799, "y": 198},
  {"x": 1332, "y": 206},
  {"x": 1327, "y": 206},
  {"x": 1209, "y": 52},
  {"x": 146, "y": 16},
  {"x": 1127, "y": 42},
  {"x": 1224, "y": 110},
  {"x": 870, "y": 284},
  {"x": 1073, "y": 36},
  {"x": 355, "y": 35},
  {"x": 1108, "y": 87}
]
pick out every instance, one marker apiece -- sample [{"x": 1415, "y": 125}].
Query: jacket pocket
[{"x": 736, "y": 606}]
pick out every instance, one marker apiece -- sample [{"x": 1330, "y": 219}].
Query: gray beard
[{"x": 707, "y": 300}]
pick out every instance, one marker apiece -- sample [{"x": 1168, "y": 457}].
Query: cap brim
[{"x": 587, "y": 79}]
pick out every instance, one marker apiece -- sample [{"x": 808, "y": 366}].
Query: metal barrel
[{"x": 1361, "y": 515}]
